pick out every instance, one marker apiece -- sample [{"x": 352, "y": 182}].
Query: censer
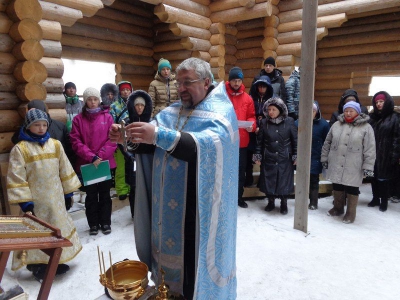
[{"x": 124, "y": 280}]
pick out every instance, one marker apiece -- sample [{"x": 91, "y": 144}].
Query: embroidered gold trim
[{"x": 17, "y": 185}]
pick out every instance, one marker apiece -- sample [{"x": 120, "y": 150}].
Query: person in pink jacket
[
  {"x": 244, "y": 108},
  {"x": 90, "y": 142}
]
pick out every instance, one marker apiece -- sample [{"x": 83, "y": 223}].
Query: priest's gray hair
[{"x": 201, "y": 67}]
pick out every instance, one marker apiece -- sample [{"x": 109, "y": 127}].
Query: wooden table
[{"x": 51, "y": 245}]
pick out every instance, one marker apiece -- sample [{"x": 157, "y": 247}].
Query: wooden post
[{"x": 308, "y": 50}]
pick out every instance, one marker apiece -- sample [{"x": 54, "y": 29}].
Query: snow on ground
[{"x": 274, "y": 261}]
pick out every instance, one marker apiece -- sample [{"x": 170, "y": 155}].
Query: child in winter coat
[
  {"x": 348, "y": 154},
  {"x": 319, "y": 133},
  {"x": 276, "y": 153},
  {"x": 89, "y": 139},
  {"x": 39, "y": 175}
]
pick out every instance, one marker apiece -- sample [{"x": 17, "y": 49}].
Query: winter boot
[
  {"x": 350, "y": 215},
  {"x": 313, "y": 199},
  {"x": 338, "y": 204},
  {"x": 284, "y": 209},
  {"x": 271, "y": 204},
  {"x": 375, "y": 202},
  {"x": 384, "y": 204}
]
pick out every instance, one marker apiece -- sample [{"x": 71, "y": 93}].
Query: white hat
[
  {"x": 90, "y": 92},
  {"x": 139, "y": 100}
]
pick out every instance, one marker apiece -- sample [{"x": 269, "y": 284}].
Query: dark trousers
[
  {"x": 249, "y": 168},
  {"x": 98, "y": 203},
  {"x": 314, "y": 182},
  {"x": 381, "y": 189},
  {"x": 242, "y": 171}
]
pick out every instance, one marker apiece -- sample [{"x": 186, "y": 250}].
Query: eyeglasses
[{"x": 186, "y": 83}]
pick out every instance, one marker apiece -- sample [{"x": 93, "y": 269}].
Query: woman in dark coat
[
  {"x": 347, "y": 96},
  {"x": 277, "y": 144},
  {"x": 385, "y": 123}
]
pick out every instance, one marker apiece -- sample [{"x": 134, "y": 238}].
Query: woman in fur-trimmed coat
[{"x": 277, "y": 144}]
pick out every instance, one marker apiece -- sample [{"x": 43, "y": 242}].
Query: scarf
[
  {"x": 72, "y": 100},
  {"x": 31, "y": 137},
  {"x": 93, "y": 110}
]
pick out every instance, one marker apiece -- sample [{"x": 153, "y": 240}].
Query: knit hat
[
  {"x": 90, "y": 92},
  {"x": 125, "y": 85},
  {"x": 380, "y": 97},
  {"x": 354, "y": 105},
  {"x": 139, "y": 100},
  {"x": 269, "y": 61},
  {"x": 163, "y": 63},
  {"x": 38, "y": 104},
  {"x": 68, "y": 85},
  {"x": 33, "y": 116},
  {"x": 235, "y": 73}
]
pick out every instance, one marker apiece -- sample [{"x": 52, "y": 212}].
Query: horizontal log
[
  {"x": 58, "y": 114},
  {"x": 170, "y": 14},
  {"x": 372, "y": 13},
  {"x": 248, "y": 63},
  {"x": 9, "y": 100},
  {"x": 360, "y": 38},
  {"x": 229, "y": 4},
  {"x": 190, "y": 6},
  {"x": 124, "y": 17},
  {"x": 5, "y": 142},
  {"x": 230, "y": 49},
  {"x": 217, "y": 50},
  {"x": 249, "y": 43},
  {"x": 30, "y": 71},
  {"x": 286, "y": 70},
  {"x": 168, "y": 46},
  {"x": 251, "y": 33},
  {"x": 88, "y": 7},
  {"x": 106, "y": 56},
  {"x": 271, "y": 32},
  {"x": 94, "y": 32},
  {"x": 51, "y": 30},
  {"x": 55, "y": 101},
  {"x": 8, "y": 83},
  {"x": 360, "y": 59},
  {"x": 202, "y": 55},
  {"x": 126, "y": 6},
  {"x": 166, "y": 37},
  {"x": 154, "y": 2},
  {"x": 364, "y": 28},
  {"x": 230, "y": 59},
  {"x": 54, "y": 85},
  {"x": 296, "y": 36},
  {"x": 137, "y": 80},
  {"x": 290, "y": 49},
  {"x": 230, "y": 40},
  {"x": 51, "y": 48},
  {"x": 26, "y": 29},
  {"x": 195, "y": 44},
  {"x": 186, "y": 30},
  {"x": 65, "y": 15},
  {"x": 297, "y": 4},
  {"x": 3, "y": 4},
  {"x": 230, "y": 30},
  {"x": 217, "y": 61},
  {"x": 217, "y": 28},
  {"x": 30, "y": 91},
  {"x": 271, "y": 21},
  {"x": 28, "y": 50},
  {"x": 6, "y": 43},
  {"x": 177, "y": 55},
  {"x": 117, "y": 26},
  {"x": 379, "y": 19},
  {"x": 371, "y": 67},
  {"x": 332, "y": 84},
  {"x": 286, "y": 60},
  {"x": 7, "y": 63},
  {"x": 329, "y": 93},
  {"x": 242, "y": 13},
  {"x": 19, "y": 10},
  {"x": 204, "y": 2},
  {"x": 54, "y": 66},
  {"x": 5, "y": 23},
  {"x": 133, "y": 69},
  {"x": 219, "y": 72},
  {"x": 393, "y": 46},
  {"x": 9, "y": 121},
  {"x": 269, "y": 43},
  {"x": 331, "y": 21},
  {"x": 251, "y": 24},
  {"x": 249, "y": 53},
  {"x": 93, "y": 44},
  {"x": 349, "y": 6},
  {"x": 217, "y": 39}
]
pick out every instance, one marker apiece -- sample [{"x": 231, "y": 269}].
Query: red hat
[
  {"x": 380, "y": 97},
  {"x": 125, "y": 86}
]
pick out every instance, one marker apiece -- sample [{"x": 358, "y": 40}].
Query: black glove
[
  {"x": 325, "y": 165},
  {"x": 368, "y": 173},
  {"x": 68, "y": 203},
  {"x": 257, "y": 157}
]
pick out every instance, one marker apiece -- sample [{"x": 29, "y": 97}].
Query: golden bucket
[{"x": 127, "y": 281}]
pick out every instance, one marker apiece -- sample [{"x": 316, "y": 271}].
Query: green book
[{"x": 92, "y": 175}]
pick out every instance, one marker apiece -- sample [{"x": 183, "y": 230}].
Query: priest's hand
[
  {"x": 140, "y": 132},
  {"x": 115, "y": 134}
]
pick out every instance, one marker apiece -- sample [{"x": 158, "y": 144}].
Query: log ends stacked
[{"x": 217, "y": 52}]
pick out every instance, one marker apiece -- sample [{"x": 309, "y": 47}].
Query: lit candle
[{"x": 111, "y": 268}]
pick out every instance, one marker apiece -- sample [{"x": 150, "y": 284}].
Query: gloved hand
[
  {"x": 68, "y": 203},
  {"x": 27, "y": 207},
  {"x": 325, "y": 165},
  {"x": 294, "y": 157},
  {"x": 293, "y": 115},
  {"x": 368, "y": 173},
  {"x": 257, "y": 157}
]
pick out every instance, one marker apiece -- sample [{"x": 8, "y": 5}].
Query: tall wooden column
[{"x": 307, "y": 81}]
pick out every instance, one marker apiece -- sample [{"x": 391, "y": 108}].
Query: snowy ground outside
[{"x": 274, "y": 261}]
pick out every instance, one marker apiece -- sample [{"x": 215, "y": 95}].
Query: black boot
[
  {"x": 313, "y": 199},
  {"x": 375, "y": 202},
  {"x": 242, "y": 204},
  {"x": 271, "y": 204},
  {"x": 284, "y": 209},
  {"x": 384, "y": 204}
]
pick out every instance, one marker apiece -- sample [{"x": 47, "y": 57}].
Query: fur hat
[
  {"x": 352, "y": 104},
  {"x": 269, "y": 61},
  {"x": 163, "y": 63},
  {"x": 90, "y": 92},
  {"x": 139, "y": 100},
  {"x": 33, "y": 116},
  {"x": 235, "y": 73}
]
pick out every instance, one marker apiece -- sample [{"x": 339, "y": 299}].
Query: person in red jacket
[{"x": 244, "y": 108}]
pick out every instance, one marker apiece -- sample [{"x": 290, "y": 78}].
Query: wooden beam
[
  {"x": 123, "y": 17},
  {"x": 190, "y": 6},
  {"x": 217, "y": 28},
  {"x": 194, "y": 44},
  {"x": 6, "y": 43},
  {"x": 242, "y": 13},
  {"x": 170, "y": 14},
  {"x": 88, "y": 7},
  {"x": 51, "y": 48},
  {"x": 30, "y": 91},
  {"x": 296, "y": 36},
  {"x": 28, "y": 50},
  {"x": 8, "y": 100},
  {"x": 54, "y": 66},
  {"x": 331, "y": 21},
  {"x": 297, "y": 4},
  {"x": 65, "y": 15},
  {"x": 7, "y": 63},
  {"x": 249, "y": 53},
  {"x": 51, "y": 30},
  {"x": 364, "y": 28},
  {"x": 5, "y": 23},
  {"x": 26, "y": 29},
  {"x": 30, "y": 71},
  {"x": 187, "y": 30},
  {"x": 18, "y": 10}
]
